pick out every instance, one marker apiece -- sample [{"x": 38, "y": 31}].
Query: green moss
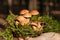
[
  {"x": 34, "y": 18},
  {"x": 52, "y": 25}
]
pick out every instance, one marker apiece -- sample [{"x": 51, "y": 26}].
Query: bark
[{"x": 32, "y": 4}]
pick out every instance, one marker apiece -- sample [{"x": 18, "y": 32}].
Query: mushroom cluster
[{"x": 24, "y": 18}]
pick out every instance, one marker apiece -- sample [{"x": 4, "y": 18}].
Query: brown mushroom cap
[
  {"x": 20, "y": 18},
  {"x": 33, "y": 23},
  {"x": 27, "y": 15},
  {"x": 24, "y": 11},
  {"x": 34, "y": 12}
]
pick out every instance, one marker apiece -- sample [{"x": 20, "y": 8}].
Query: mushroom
[
  {"x": 27, "y": 15},
  {"x": 34, "y": 27},
  {"x": 37, "y": 29},
  {"x": 26, "y": 21},
  {"x": 33, "y": 23},
  {"x": 20, "y": 18},
  {"x": 39, "y": 25},
  {"x": 34, "y": 12},
  {"x": 16, "y": 23},
  {"x": 24, "y": 11}
]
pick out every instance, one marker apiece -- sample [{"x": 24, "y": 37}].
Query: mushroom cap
[
  {"x": 33, "y": 23},
  {"x": 27, "y": 15},
  {"x": 24, "y": 11},
  {"x": 20, "y": 18},
  {"x": 26, "y": 21},
  {"x": 34, "y": 12}
]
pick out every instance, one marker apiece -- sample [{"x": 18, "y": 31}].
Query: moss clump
[
  {"x": 52, "y": 25},
  {"x": 12, "y": 30}
]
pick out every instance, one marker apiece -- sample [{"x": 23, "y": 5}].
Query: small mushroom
[
  {"x": 34, "y": 27},
  {"x": 20, "y": 18},
  {"x": 37, "y": 29},
  {"x": 39, "y": 25},
  {"x": 27, "y": 15},
  {"x": 24, "y": 11},
  {"x": 34, "y": 12},
  {"x": 16, "y": 23},
  {"x": 33, "y": 23},
  {"x": 26, "y": 21}
]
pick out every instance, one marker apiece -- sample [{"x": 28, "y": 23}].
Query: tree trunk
[{"x": 33, "y": 4}]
